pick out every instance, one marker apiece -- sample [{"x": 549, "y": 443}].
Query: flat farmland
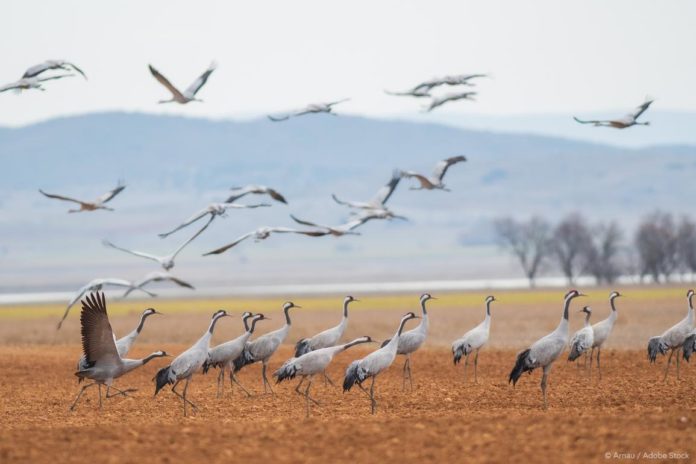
[{"x": 444, "y": 418}]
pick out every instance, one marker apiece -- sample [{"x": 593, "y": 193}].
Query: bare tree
[
  {"x": 686, "y": 244},
  {"x": 657, "y": 245},
  {"x": 570, "y": 245},
  {"x": 603, "y": 252},
  {"x": 528, "y": 241}
]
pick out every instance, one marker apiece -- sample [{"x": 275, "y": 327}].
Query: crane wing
[
  {"x": 642, "y": 108},
  {"x": 165, "y": 82},
  {"x": 60, "y": 197},
  {"x": 304, "y": 223},
  {"x": 223, "y": 249},
  {"x": 111, "y": 194},
  {"x": 193, "y": 89},
  {"x": 97, "y": 337},
  {"x": 386, "y": 191},
  {"x": 200, "y": 231},
  {"x": 442, "y": 166},
  {"x": 188, "y": 222},
  {"x": 132, "y": 252}
]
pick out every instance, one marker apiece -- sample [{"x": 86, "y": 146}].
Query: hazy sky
[{"x": 545, "y": 56}]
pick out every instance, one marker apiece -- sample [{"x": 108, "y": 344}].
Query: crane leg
[
  {"x": 233, "y": 378},
  {"x": 100, "y": 400},
  {"x": 309, "y": 384},
  {"x": 373, "y": 402},
  {"x": 328, "y": 379},
  {"x": 120, "y": 392},
  {"x": 407, "y": 374},
  {"x": 599, "y": 367},
  {"x": 183, "y": 397},
  {"x": 366, "y": 392},
  {"x": 678, "y": 349},
  {"x": 466, "y": 364},
  {"x": 403, "y": 374},
  {"x": 476, "y": 367},
  {"x": 82, "y": 390},
  {"x": 221, "y": 382},
  {"x": 299, "y": 384},
  {"x": 669, "y": 361},
  {"x": 591, "y": 354},
  {"x": 266, "y": 383},
  {"x": 544, "y": 378}
]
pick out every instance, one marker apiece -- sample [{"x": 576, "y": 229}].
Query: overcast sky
[{"x": 545, "y": 56}]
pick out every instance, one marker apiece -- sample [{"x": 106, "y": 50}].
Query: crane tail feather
[
  {"x": 354, "y": 374},
  {"x": 458, "y": 352},
  {"x": 302, "y": 347},
  {"x": 285, "y": 372},
  {"x": 655, "y": 347},
  {"x": 242, "y": 360},
  {"x": 688, "y": 347},
  {"x": 522, "y": 365},
  {"x": 162, "y": 378}
]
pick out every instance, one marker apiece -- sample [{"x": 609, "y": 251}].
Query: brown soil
[{"x": 443, "y": 420}]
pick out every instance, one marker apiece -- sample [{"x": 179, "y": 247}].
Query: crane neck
[
  {"x": 488, "y": 309},
  {"x": 566, "y": 307},
  {"x": 345, "y": 309},
  {"x": 253, "y": 325},
  {"x": 245, "y": 320},
  {"x": 357, "y": 341},
  {"x": 141, "y": 324},
  {"x": 423, "y": 310},
  {"x": 211, "y": 328},
  {"x": 130, "y": 364},
  {"x": 587, "y": 320},
  {"x": 150, "y": 357},
  {"x": 287, "y": 316},
  {"x": 613, "y": 304},
  {"x": 401, "y": 329}
]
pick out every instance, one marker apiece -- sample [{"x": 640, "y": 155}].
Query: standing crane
[
  {"x": 374, "y": 363},
  {"x": 327, "y": 338},
  {"x": 311, "y": 363},
  {"x": 103, "y": 364},
  {"x": 264, "y": 346},
  {"x": 473, "y": 340},
  {"x": 187, "y": 363},
  {"x": 602, "y": 329},
  {"x": 673, "y": 338},
  {"x": 410, "y": 341},
  {"x": 583, "y": 339},
  {"x": 224, "y": 354},
  {"x": 546, "y": 350}
]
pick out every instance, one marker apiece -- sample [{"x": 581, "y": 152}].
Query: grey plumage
[
  {"x": 544, "y": 352},
  {"x": 262, "y": 348},
  {"x": 187, "y": 363},
  {"x": 673, "y": 339},
  {"x": 374, "y": 363}
]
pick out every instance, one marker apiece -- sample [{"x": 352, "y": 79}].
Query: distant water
[{"x": 328, "y": 289}]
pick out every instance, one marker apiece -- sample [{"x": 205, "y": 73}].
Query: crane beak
[{"x": 296, "y": 306}]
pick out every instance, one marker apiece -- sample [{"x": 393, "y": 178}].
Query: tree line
[{"x": 661, "y": 246}]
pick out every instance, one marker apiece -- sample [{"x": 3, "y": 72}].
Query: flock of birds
[
  {"x": 34, "y": 78},
  {"x": 361, "y": 212},
  {"x": 104, "y": 357}
]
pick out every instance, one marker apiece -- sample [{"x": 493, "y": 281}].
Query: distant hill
[{"x": 174, "y": 166}]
